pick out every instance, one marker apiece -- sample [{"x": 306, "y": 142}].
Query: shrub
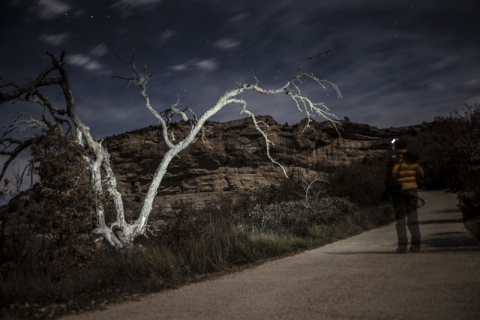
[
  {"x": 435, "y": 147},
  {"x": 215, "y": 219},
  {"x": 295, "y": 217},
  {"x": 48, "y": 228},
  {"x": 187, "y": 224},
  {"x": 467, "y": 148},
  {"x": 361, "y": 182},
  {"x": 450, "y": 151}
]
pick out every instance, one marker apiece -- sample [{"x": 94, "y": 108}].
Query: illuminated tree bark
[{"x": 97, "y": 158}]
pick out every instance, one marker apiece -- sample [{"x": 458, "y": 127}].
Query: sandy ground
[{"x": 358, "y": 278}]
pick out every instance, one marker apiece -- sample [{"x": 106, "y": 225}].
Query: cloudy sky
[{"x": 400, "y": 62}]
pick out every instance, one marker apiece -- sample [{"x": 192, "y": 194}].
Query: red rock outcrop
[{"x": 231, "y": 157}]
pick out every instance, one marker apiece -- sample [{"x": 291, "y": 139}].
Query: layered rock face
[{"x": 231, "y": 157}]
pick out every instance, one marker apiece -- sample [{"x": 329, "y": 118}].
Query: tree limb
[{"x": 12, "y": 155}]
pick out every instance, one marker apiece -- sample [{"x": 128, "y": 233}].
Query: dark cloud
[{"x": 400, "y": 62}]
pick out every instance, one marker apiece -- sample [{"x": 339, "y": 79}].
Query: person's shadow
[{"x": 436, "y": 242}]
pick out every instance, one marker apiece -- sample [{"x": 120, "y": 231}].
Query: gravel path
[{"x": 358, "y": 278}]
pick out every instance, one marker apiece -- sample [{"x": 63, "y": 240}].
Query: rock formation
[{"x": 230, "y": 158}]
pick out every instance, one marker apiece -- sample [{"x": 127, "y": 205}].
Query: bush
[
  {"x": 47, "y": 227},
  {"x": 186, "y": 225},
  {"x": 295, "y": 217},
  {"x": 450, "y": 151},
  {"x": 217, "y": 218},
  {"x": 467, "y": 148},
  {"x": 436, "y": 149},
  {"x": 362, "y": 182}
]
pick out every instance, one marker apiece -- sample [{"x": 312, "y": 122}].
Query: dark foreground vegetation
[
  {"x": 166, "y": 264},
  {"x": 451, "y": 157},
  {"x": 44, "y": 278}
]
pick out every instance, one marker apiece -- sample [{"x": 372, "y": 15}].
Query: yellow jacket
[{"x": 407, "y": 174}]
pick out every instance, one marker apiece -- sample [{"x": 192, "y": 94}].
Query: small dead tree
[
  {"x": 96, "y": 157},
  {"x": 319, "y": 190}
]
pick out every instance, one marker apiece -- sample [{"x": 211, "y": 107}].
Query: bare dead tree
[
  {"x": 122, "y": 233},
  {"x": 321, "y": 189}
]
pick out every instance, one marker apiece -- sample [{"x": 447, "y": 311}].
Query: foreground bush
[
  {"x": 46, "y": 230},
  {"x": 362, "y": 182},
  {"x": 296, "y": 217}
]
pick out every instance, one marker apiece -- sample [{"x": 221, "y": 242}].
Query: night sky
[{"x": 399, "y": 62}]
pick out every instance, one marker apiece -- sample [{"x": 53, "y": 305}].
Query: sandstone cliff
[{"x": 231, "y": 158}]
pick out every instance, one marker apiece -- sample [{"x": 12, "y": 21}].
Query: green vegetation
[{"x": 296, "y": 217}]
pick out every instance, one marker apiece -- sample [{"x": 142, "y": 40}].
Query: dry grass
[{"x": 120, "y": 276}]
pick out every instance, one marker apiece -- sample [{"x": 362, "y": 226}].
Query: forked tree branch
[{"x": 97, "y": 156}]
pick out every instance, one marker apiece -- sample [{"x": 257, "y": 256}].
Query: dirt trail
[{"x": 358, "y": 278}]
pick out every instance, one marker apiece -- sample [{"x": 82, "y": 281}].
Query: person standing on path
[{"x": 405, "y": 175}]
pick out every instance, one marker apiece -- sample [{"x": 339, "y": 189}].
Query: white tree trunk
[
  {"x": 121, "y": 233},
  {"x": 126, "y": 233}
]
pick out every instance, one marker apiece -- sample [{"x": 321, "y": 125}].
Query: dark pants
[{"x": 406, "y": 214}]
